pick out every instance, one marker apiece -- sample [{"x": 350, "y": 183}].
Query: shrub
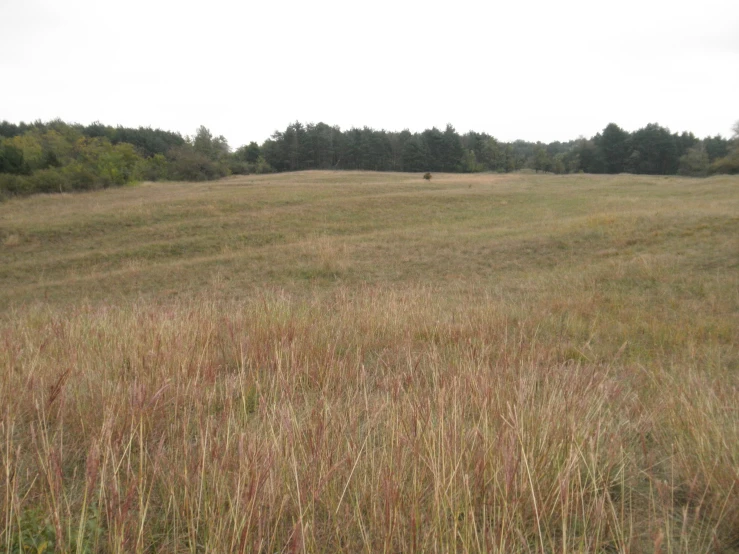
[
  {"x": 48, "y": 180},
  {"x": 262, "y": 166},
  {"x": 728, "y": 164},
  {"x": 694, "y": 162},
  {"x": 11, "y": 184},
  {"x": 186, "y": 164},
  {"x": 11, "y": 160},
  {"x": 78, "y": 177},
  {"x": 155, "y": 168},
  {"x": 239, "y": 167}
]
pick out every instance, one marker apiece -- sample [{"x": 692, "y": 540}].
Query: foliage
[
  {"x": 112, "y": 164},
  {"x": 614, "y": 147},
  {"x": 695, "y": 162},
  {"x": 470, "y": 164},
  {"x": 729, "y": 163},
  {"x": 152, "y": 169},
  {"x": 148, "y": 141},
  {"x": 650, "y": 150},
  {"x": 541, "y": 160},
  {"x": 248, "y": 153},
  {"x": 56, "y": 156},
  {"x": 716, "y": 147},
  {"x": 188, "y": 163},
  {"x": 12, "y": 160},
  {"x": 653, "y": 151},
  {"x": 34, "y": 534},
  {"x": 60, "y": 157}
]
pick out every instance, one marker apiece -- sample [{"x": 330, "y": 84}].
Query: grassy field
[{"x": 351, "y": 361}]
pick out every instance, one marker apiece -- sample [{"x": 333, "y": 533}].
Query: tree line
[
  {"x": 56, "y": 156},
  {"x": 651, "y": 150},
  {"x": 59, "y": 157}
]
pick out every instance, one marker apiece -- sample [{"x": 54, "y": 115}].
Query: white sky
[{"x": 532, "y": 70}]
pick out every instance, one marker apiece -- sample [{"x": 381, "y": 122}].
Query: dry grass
[
  {"x": 251, "y": 232},
  {"x": 352, "y": 362}
]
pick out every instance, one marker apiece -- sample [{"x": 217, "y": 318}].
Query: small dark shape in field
[{"x": 427, "y": 176}]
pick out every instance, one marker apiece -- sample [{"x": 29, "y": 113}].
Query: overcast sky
[{"x": 534, "y": 70}]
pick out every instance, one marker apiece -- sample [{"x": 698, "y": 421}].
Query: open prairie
[{"x": 355, "y": 361}]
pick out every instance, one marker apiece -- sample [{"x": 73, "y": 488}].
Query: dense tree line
[
  {"x": 57, "y": 156},
  {"x": 651, "y": 150}
]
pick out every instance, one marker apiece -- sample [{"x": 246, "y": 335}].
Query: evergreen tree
[
  {"x": 614, "y": 148},
  {"x": 716, "y": 147},
  {"x": 416, "y": 154},
  {"x": 589, "y": 155},
  {"x": 203, "y": 142},
  {"x": 452, "y": 151},
  {"x": 654, "y": 151}
]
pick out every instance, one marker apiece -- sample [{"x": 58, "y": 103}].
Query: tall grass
[
  {"x": 376, "y": 419},
  {"x": 359, "y": 362}
]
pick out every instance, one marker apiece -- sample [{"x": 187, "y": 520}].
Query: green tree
[
  {"x": 8, "y": 129},
  {"x": 614, "y": 149},
  {"x": 221, "y": 149},
  {"x": 111, "y": 164},
  {"x": 274, "y": 151},
  {"x": 492, "y": 155},
  {"x": 452, "y": 151},
  {"x": 716, "y": 147},
  {"x": 250, "y": 153},
  {"x": 694, "y": 162},
  {"x": 510, "y": 161},
  {"x": 31, "y": 147},
  {"x": 654, "y": 151},
  {"x": 154, "y": 168},
  {"x": 470, "y": 164},
  {"x": 58, "y": 148},
  {"x": 416, "y": 154},
  {"x": 11, "y": 160},
  {"x": 397, "y": 144},
  {"x": 730, "y": 162},
  {"x": 187, "y": 164},
  {"x": 590, "y": 156},
  {"x": 541, "y": 159},
  {"x": 245, "y": 159},
  {"x": 559, "y": 165},
  {"x": 434, "y": 145},
  {"x": 203, "y": 144},
  {"x": 684, "y": 142}
]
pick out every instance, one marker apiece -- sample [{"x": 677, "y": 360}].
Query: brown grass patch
[{"x": 328, "y": 362}]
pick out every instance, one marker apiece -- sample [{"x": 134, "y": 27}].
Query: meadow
[{"x": 370, "y": 362}]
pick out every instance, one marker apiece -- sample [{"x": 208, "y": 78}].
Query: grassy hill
[
  {"x": 326, "y": 229},
  {"x": 351, "y": 361}
]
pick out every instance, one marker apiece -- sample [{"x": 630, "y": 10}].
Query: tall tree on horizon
[
  {"x": 654, "y": 151},
  {"x": 614, "y": 147},
  {"x": 452, "y": 152}
]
